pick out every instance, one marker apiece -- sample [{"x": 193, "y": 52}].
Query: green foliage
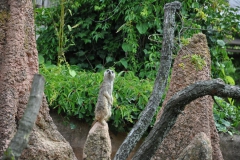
[
  {"x": 126, "y": 35},
  {"x": 219, "y": 22},
  {"x": 227, "y": 116},
  {"x": 76, "y": 96},
  {"x": 47, "y": 42},
  {"x": 8, "y": 155},
  {"x": 196, "y": 60},
  {"x": 100, "y": 34}
]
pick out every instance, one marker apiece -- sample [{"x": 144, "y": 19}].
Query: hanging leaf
[
  {"x": 69, "y": 27},
  {"x": 126, "y": 47},
  {"x": 142, "y": 27},
  {"x": 124, "y": 62},
  {"x": 70, "y": 12}
]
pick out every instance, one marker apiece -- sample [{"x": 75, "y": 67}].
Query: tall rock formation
[
  {"x": 192, "y": 64},
  {"x": 18, "y": 64}
]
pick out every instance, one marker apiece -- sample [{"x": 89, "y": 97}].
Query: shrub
[
  {"x": 227, "y": 116},
  {"x": 76, "y": 96}
]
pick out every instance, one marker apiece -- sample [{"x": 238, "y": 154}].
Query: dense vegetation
[
  {"x": 76, "y": 96},
  {"x": 88, "y": 36}
]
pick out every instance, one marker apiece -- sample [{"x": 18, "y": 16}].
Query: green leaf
[
  {"x": 230, "y": 80},
  {"x": 231, "y": 101},
  {"x": 72, "y": 126},
  {"x": 195, "y": 5},
  {"x": 76, "y": 25},
  {"x": 70, "y": 12},
  {"x": 109, "y": 59},
  {"x": 142, "y": 27},
  {"x": 226, "y": 123},
  {"x": 230, "y": 133},
  {"x": 126, "y": 47},
  {"x": 120, "y": 28},
  {"x": 41, "y": 59},
  {"x": 72, "y": 73},
  {"x": 124, "y": 62},
  {"x": 69, "y": 27},
  {"x": 221, "y": 43}
]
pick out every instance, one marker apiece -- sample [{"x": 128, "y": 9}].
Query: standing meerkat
[{"x": 105, "y": 98}]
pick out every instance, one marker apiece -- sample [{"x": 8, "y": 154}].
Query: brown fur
[{"x": 105, "y": 98}]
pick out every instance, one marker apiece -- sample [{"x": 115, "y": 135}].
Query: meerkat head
[{"x": 109, "y": 74}]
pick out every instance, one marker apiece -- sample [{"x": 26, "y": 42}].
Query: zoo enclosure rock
[
  {"x": 230, "y": 146},
  {"x": 198, "y": 115},
  {"x": 98, "y": 143},
  {"x": 199, "y": 149}
]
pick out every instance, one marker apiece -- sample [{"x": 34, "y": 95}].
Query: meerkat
[{"x": 105, "y": 99}]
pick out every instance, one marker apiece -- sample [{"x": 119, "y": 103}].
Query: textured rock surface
[
  {"x": 197, "y": 116},
  {"x": 230, "y": 146},
  {"x": 18, "y": 64},
  {"x": 98, "y": 143},
  {"x": 199, "y": 149}
]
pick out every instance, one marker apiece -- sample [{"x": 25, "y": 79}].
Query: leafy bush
[
  {"x": 91, "y": 44},
  {"x": 227, "y": 116},
  {"x": 100, "y": 34},
  {"x": 123, "y": 34},
  {"x": 77, "y": 96}
]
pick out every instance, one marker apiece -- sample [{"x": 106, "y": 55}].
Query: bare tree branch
[
  {"x": 160, "y": 83},
  {"x": 175, "y": 106}
]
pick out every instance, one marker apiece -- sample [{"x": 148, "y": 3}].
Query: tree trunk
[
  {"x": 159, "y": 87},
  {"x": 18, "y": 64}
]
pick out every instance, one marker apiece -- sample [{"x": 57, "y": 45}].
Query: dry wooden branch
[
  {"x": 160, "y": 84},
  {"x": 175, "y": 106}
]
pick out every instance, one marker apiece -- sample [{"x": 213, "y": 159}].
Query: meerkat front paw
[{"x": 103, "y": 122}]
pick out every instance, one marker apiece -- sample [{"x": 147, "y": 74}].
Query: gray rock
[
  {"x": 199, "y": 149},
  {"x": 230, "y": 146},
  {"x": 98, "y": 143}
]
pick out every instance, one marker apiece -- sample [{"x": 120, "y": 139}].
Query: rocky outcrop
[
  {"x": 45, "y": 141},
  {"x": 199, "y": 149},
  {"x": 18, "y": 64},
  {"x": 192, "y": 64},
  {"x": 230, "y": 146},
  {"x": 98, "y": 143}
]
